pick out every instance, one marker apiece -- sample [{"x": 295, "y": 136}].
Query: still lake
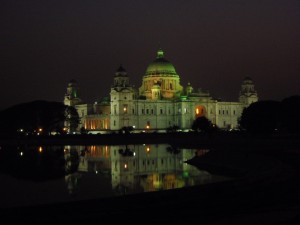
[{"x": 33, "y": 175}]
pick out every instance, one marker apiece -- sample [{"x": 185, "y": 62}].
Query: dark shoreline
[{"x": 191, "y": 139}]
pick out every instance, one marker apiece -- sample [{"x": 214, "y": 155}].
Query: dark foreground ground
[{"x": 265, "y": 190}]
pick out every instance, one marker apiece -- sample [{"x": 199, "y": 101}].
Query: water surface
[{"x": 32, "y": 175}]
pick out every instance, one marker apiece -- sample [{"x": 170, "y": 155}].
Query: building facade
[{"x": 159, "y": 103}]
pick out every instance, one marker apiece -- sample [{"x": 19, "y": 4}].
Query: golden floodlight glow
[{"x": 40, "y": 149}]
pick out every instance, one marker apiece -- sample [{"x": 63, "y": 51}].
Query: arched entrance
[{"x": 200, "y": 111}]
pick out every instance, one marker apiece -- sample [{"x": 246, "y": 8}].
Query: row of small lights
[{"x": 40, "y": 150}]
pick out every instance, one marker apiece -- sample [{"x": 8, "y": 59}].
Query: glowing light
[
  {"x": 40, "y": 149},
  {"x": 148, "y": 149},
  {"x": 200, "y": 111},
  {"x": 125, "y": 166},
  {"x": 21, "y": 153}
]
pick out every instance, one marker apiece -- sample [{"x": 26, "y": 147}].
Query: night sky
[{"x": 213, "y": 44}]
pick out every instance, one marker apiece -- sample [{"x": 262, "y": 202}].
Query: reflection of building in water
[
  {"x": 140, "y": 168},
  {"x": 72, "y": 182},
  {"x": 81, "y": 159},
  {"x": 153, "y": 167}
]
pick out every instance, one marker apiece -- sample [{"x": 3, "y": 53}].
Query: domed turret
[
  {"x": 121, "y": 72},
  {"x": 248, "y": 93},
  {"x": 121, "y": 78},
  {"x": 72, "y": 97},
  {"x": 189, "y": 89}
]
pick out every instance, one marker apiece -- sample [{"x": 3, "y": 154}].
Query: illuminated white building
[{"x": 159, "y": 103}]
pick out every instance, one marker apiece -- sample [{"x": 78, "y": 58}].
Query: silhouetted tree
[
  {"x": 72, "y": 118},
  {"x": 261, "y": 117},
  {"x": 202, "y": 124},
  {"x": 83, "y": 130},
  {"x": 290, "y": 114},
  {"x": 33, "y": 115}
]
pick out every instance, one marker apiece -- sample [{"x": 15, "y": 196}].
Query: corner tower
[
  {"x": 161, "y": 75},
  {"x": 72, "y": 97},
  {"x": 248, "y": 93},
  {"x": 122, "y": 95}
]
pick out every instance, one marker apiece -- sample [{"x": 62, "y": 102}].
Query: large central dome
[
  {"x": 160, "y": 80},
  {"x": 160, "y": 66}
]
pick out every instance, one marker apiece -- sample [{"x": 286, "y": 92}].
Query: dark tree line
[
  {"x": 31, "y": 116},
  {"x": 272, "y": 116}
]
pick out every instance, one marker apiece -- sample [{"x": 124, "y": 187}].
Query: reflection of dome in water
[{"x": 160, "y": 66}]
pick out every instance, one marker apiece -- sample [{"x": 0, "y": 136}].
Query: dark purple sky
[{"x": 213, "y": 44}]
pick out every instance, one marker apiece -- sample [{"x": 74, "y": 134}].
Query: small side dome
[
  {"x": 248, "y": 80},
  {"x": 72, "y": 83}
]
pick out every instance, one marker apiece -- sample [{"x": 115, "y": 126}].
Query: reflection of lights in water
[{"x": 150, "y": 168}]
